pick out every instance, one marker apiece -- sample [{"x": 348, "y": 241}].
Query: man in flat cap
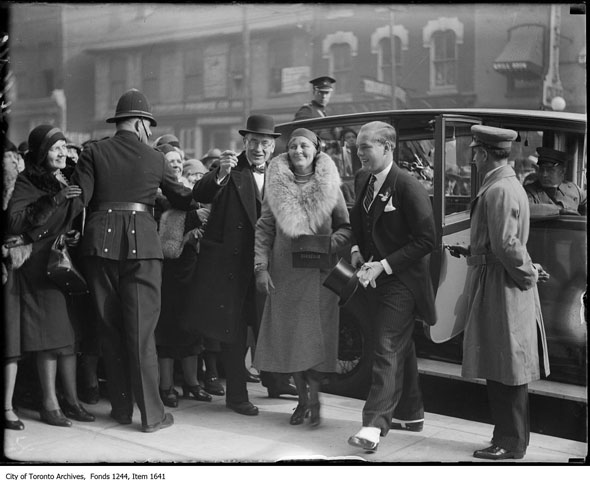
[
  {"x": 322, "y": 91},
  {"x": 551, "y": 193},
  {"x": 503, "y": 310}
]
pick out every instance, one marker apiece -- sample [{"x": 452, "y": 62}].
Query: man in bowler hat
[
  {"x": 322, "y": 91},
  {"x": 119, "y": 178},
  {"x": 224, "y": 297},
  {"x": 393, "y": 234},
  {"x": 550, "y": 193},
  {"x": 503, "y": 314}
]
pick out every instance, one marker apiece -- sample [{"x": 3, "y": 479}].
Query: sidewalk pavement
[{"x": 211, "y": 433}]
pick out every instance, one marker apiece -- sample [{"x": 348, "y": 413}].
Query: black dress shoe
[
  {"x": 196, "y": 392},
  {"x": 299, "y": 415},
  {"x": 169, "y": 397},
  {"x": 244, "y": 408},
  {"x": 166, "y": 422},
  {"x": 213, "y": 386},
  {"x": 363, "y": 443},
  {"x": 121, "y": 417},
  {"x": 55, "y": 418},
  {"x": 284, "y": 389},
  {"x": 13, "y": 424},
  {"x": 314, "y": 410},
  {"x": 411, "y": 426},
  {"x": 89, "y": 395},
  {"x": 494, "y": 452},
  {"x": 77, "y": 412}
]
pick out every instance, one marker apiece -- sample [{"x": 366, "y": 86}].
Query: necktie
[
  {"x": 370, "y": 192},
  {"x": 257, "y": 168}
]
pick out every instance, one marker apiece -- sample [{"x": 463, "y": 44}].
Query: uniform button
[
  {"x": 106, "y": 249},
  {"x": 240, "y": 226},
  {"x": 221, "y": 307},
  {"x": 133, "y": 212},
  {"x": 134, "y": 251},
  {"x": 226, "y": 330},
  {"x": 109, "y": 230},
  {"x": 235, "y": 251},
  {"x": 133, "y": 232},
  {"x": 231, "y": 276},
  {"x": 110, "y": 210}
]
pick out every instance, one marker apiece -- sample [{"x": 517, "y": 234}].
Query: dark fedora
[
  {"x": 261, "y": 124},
  {"x": 342, "y": 280}
]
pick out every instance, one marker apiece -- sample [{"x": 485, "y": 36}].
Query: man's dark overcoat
[
  {"x": 310, "y": 110},
  {"x": 225, "y": 268}
]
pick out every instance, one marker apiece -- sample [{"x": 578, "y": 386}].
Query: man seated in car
[{"x": 551, "y": 194}]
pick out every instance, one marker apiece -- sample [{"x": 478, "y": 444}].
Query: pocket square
[{"x": 389, "y": 206}]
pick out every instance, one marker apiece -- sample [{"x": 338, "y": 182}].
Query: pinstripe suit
[{"x": 404, "y": 237}]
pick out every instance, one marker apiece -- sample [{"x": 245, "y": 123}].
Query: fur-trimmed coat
[
  {"x": 299, "y": 329},
  {"x": 44, "y": 309}
]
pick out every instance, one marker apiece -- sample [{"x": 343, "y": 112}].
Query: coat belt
[
  {"x": 483, "y": 259},
  {"x": 125, "y": 206}
]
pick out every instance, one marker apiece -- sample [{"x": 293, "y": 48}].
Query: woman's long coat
[
  {"x": 299, "y": 328},
  {"x": 45, "y": 310},
  {"x": 504, "y": 312}
]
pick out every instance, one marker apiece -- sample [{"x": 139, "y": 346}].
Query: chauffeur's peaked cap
[
  {"x": 551, "y": 156},
  {"x": 492, "y": 137}
]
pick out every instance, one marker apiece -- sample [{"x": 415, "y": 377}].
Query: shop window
[
  {"x": 150, "y": 66},
  {"x": 384, "y": 60},
  {"x": 193, "y": 73},
  {"x": 280, "y": 56},
  {"x": 341, "y": 61},
  {"x": 118, "y": 78},
  {"x": 442, "y": 37},
  {"x": 237, "y": 70}
]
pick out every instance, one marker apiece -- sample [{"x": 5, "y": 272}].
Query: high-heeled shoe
[
  {"x": 299, "y": 415},
  {"x": 77, "y": 412},
  {"x": 13, "y": 424},
  {"x": 169, "y": 397},
  {"x": 314, "y": 409},
  {"x": 197, "y": 392},
  {"x": 55, "y": 418}
]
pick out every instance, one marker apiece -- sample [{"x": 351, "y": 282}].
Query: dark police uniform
[
  {"x": 314, "y": 109},
  {"x": 119, "y": 178}
]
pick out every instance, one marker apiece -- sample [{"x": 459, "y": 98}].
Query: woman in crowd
[
  {"x": 14, "y": 253},
  {"x": 42, "y": 207},
  {"x": 192, "y": 171},
  {"x": 179, "y": 232},
  {"x": 302, "y": 197}
]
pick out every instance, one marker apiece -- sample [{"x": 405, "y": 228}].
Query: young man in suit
[{"x": 393, "y": 235}]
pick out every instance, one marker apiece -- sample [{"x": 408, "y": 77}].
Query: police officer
[
  {"x": 119, "y": 177},
  {"x": 322, "y": 91},
  {"x": 551, "y": 188}
]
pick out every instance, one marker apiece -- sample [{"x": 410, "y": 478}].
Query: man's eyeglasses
[{"x": 253, "y": 143}]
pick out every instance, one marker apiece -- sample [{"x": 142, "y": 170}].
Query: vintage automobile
[{"x": 433, "y": 146}]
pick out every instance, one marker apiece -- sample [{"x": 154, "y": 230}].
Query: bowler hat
[
  {"x": 493, "y": 137},
  {"x": 168, "y": 139},
  {"x": 342, "y": 280},
  {"x": 261, "y": 124},
  {"x": 323, "y": 83},
  {"x": 551, "y": 156},
  {"x": 133, "y": 103}
]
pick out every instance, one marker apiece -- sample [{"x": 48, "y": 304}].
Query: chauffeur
[
  {"x": 122, "y": 253},
  {"x": 322, "y": 91},
  {"x": 503, "y": 313},
  {"x": 551, "y": 193}
]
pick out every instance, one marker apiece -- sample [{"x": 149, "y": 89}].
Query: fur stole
[
  {"x": 176, "y": 227},
  {"x": 301, "y": 209},
  {"x": 10, "y": 175}
]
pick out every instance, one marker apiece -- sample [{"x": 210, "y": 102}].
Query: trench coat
[
  {"x": 45, "y": 311},
  {"x": 225, "y": 270},
  {"x": 299, "y": 327},
  {"x": 503, "y": 307}
]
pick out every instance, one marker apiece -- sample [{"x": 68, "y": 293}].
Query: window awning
[{"x": 524, "y": 51}]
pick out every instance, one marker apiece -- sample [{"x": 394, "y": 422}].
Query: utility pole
[
  {"x": 392, "y": 42},
  {"x": 246, "y": 42}
]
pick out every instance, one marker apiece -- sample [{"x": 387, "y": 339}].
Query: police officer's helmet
[{"x": 133, "y": 103}]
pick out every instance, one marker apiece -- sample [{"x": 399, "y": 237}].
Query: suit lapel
[
  {"x": 246, "y": 187},
  {"x": 386, "y": 191}
]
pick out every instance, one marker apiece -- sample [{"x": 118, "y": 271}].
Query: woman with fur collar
[
  {"x": 43, "y": 206},
  {"x": 299, "y": 328}
]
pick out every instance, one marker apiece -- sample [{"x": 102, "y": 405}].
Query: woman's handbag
[
  {"x": 311, "y": 251},
  {"x": 61, "y": 269}
]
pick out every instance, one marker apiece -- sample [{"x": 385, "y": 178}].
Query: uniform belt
[
  {"x": 125, "y": 206},
  {"x": 483, "y": 259}
]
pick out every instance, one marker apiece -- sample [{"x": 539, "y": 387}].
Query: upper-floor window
[
  {"x": 193, "y": 73},
  {"x": 341, "y": 60},
  {"x": 442, "y": 37},
  {"x": 444, "y": 59},
  {"x": 279, "y": 57},
  {"x": 384, "y": 60},
  {"x": 236, "y": 70},
  {"x": 150, "y": 67},
  {"x": 118, "y": 77}
]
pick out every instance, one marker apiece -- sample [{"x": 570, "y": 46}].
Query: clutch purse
[
  {"x": 311, "y": 251},
  {"x": 62, "y": 271}
]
